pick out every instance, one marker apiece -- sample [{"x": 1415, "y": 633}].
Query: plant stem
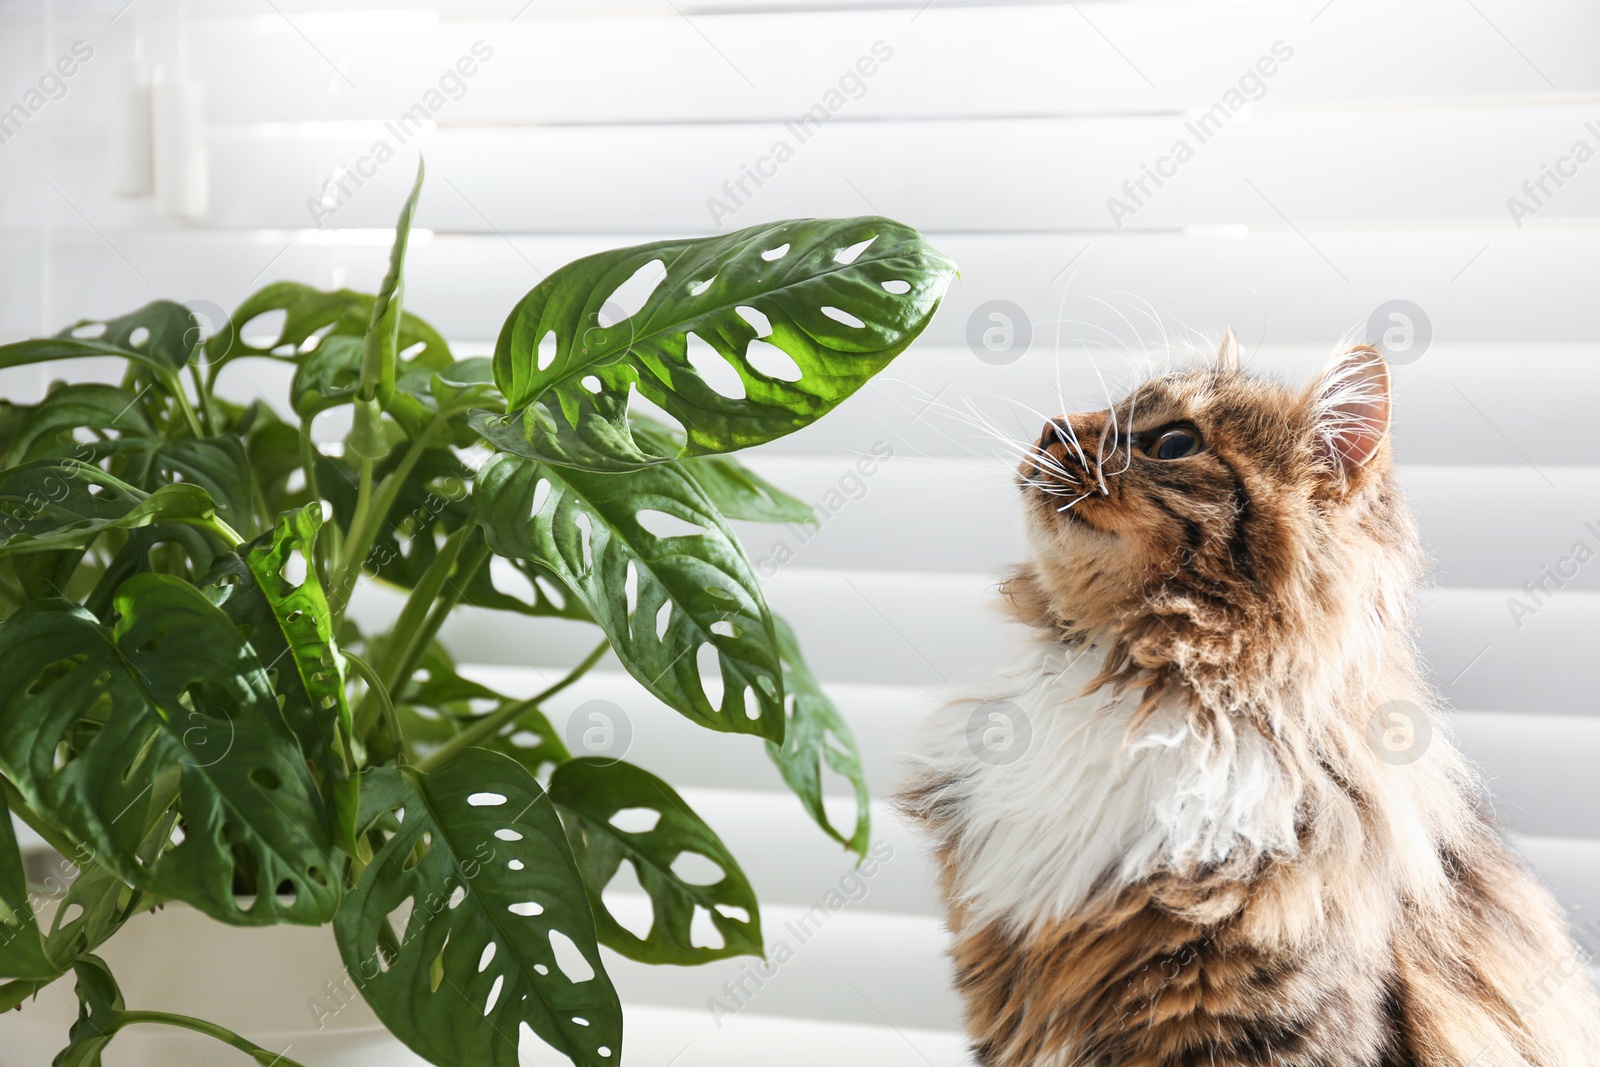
[
  {"x": 372, "y": 512},
  {"x": 376, "y": 690},
  {"x": 412, "y": 620},
  {"x": 200, "y": 1026},
  {"x": 416, "y": 645},
  {"x": 174, "y": 384},
  {"x": 491, "y": 723},
  {"x": 205, "y": 397},
  {"x": 356, "y": 544}
]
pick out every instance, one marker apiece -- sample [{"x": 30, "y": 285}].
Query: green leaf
[
  {"x": 99, "y": 1009},
  {"x": 573, "y": 410},
  {"x": 280, "y": 603},
  {"x": 736, "y": 490},
  {"x": 46, "y": 430},
  {"x": 16, "y": 993},
  {"x": 592, "y": 792},
  {"x": 161, "y": 335},
  {"x": 433, "y": 502},
  {"x": 170, "y": 697},
  {"x": 218, "y": 465},
  {"x": 310, "y": 318},
  {"x": 64, "y": 503},
  {"x": 658, "y": 598},
  {"x": 481, "y": 859},
  {"x": 22, "y": 952},
  {"x": 436, "y": 704},
  {"x": 816, "y": 732},
  {"x": 382, "y": 341}
]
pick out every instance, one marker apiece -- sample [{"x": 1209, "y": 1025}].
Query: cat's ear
[
  {"x": 1228, "y": 352},
  {"x": 1349, "y": 406}
]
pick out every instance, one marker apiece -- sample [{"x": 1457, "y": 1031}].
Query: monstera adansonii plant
[{"x": 187, "y": 713}]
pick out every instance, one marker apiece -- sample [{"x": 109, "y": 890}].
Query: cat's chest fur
[{"x": 1044, "y": 798}]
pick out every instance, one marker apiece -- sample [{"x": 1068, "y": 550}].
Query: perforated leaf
[
  {"x": 815, "y": 733},
  {"x": 218, "y": 465},
  {"x": 615, "y": 813},
  {"x": 838, "y": 313},
  {"x": 736, "y": 490},
  {"x": 308, "y": 317},
  {"x": 63, "y": 503},
  {"x": 658, "y": 569},
  {"x": 22, "y": 952},
  {"x": 161, "y": 335},
  {"x": 47, "y": 427},
  {"x": 437, "y": 703},
  {"x": 169, "y": 699},
  {"x": 495, "y": 932},
  {"x": 269, "y": 588},
  {"x": 433, "y": 502},
  {"x": 99, "y": 1005}
]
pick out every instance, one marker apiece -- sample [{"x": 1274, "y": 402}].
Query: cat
[{"x": 1214, "y": 815}]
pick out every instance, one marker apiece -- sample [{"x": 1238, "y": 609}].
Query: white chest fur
[{"x": 1049, "y": 797}]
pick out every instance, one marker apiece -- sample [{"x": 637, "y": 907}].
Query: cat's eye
[{"x": 1175, "y": 443}]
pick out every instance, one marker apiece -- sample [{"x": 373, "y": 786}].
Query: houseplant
[{"x": 188, "y": 714}]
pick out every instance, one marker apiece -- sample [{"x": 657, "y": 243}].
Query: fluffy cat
[{"x": 1214, "y": 816}]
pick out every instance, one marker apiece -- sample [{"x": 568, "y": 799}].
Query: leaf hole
[
  {"x": 592, "y": 383},
  {"x": 774, "y": 254},
  {"x": 139, "y": 337},
  {"x": 709, "y": 665},
  {"x": 896, "y": 286},
  {"x": 772, "y": 361},
  {"x": 508, "y": 835},
  {"x": 541, "y": 493},
  {"x": 631, "y": 296},
  {"x": 293, "y": 570},
  {"x": 756, "y": 318},
  {"x": 665, "y": 525},
  {"x": 841, "y": 315},
  {"x": 266, "y": 778},
  {"x": 848, "y": 256},
  {"x": 585, "y": 532},
  {"x": 569, "y": 958},
  {"x": 486, "y": 800},
  {"x": 89, "y": 331},
  {"x": 636, "y": 820},
  {"x": 398, "y": 919},
  {"x": 703, "y": 932},
  {"x": 494, "y": 993},
  {"x": 526, "y": 907},
  {"x": 457, "y": 895},
  {"x": 630, "y": 588},
  {"x": 697, "y": 869},
  {"x": 547, "y": 349},
  {"x": 734, "y": 912},
  {"x": 752, "y": 705},
  {"x": 699, "y": 288},
  {"x": 72, "y": 914},
  {"x": 580, "y": 1020},
  {"x": 487, "y": 957},
  {"x": 266, "y": 327},
  {"x": 724, "y": 628},
  {"x": 716, "y": 371},
  {"x": 663, "y": 617},
  {"x": 627, "y": 902},
  {"x": 516, "y": 865}
]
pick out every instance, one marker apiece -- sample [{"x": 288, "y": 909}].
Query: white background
[{"x": 1374, "y": 164}]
